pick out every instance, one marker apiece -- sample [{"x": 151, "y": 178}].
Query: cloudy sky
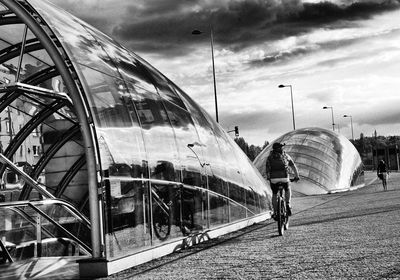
[{"x": 339, "y": 53}]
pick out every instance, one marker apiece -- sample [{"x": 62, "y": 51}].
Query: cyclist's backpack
[{"x": 278, "y": 165}]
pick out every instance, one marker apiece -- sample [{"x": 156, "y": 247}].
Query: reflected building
[
  {"x": 129, "y": 165},
  {"x": 327, "y": 161}
]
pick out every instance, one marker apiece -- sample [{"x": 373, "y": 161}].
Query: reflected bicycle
[{"x": 177, "y": 209}]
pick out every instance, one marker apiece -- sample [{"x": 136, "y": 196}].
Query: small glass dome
[{"x": 327, "y": 161}]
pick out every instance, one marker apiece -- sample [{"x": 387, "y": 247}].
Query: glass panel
[
  {"x": 219, "y": 203},
  {"x": 163, "y": 85},
  {"x": 106, "y": 95},
  {"x": 166, "y": 211},
  {"x": 12, "y": 34},
  {"x": 127, "y": 213},
  {"x": 237, "y": 205},
  {"x": 158, "y": 135},
  {"x": 127, "y": 64},
  {"x": 80, "y": 45},
  {"x": 186, "y": 134},
  {"x": 215, "y": 165},
  {"x": 177, "y": 211}
]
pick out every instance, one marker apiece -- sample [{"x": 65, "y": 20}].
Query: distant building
[{"x": 30, "y": 150}]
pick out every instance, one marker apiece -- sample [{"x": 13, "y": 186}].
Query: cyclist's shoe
[
  {"x": 274, "y": 216},
  {"x": 289, "y": 210}
]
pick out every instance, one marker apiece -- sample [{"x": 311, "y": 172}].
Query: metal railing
[{"x": 24, "y": 211}]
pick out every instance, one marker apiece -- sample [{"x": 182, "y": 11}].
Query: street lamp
[
  {"x": 291, "y": 96},
  {"x": 351, "y": 121},
  {"x": 333, "y": 122},
  {"x": 198, "y": 32}
]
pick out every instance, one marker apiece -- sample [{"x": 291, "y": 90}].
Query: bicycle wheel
[
  {"x": 281, "y": 216},
  {"x": 161, "y": 223}
]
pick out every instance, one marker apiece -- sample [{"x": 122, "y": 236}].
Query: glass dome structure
[
  {"x": 327, "y": 161},
  {"x": 105, "y": 152}
]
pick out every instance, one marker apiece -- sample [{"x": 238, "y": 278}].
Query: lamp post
[
  {"x": 333, "y": 122},
  {"x": 198, "y": 32},
  {"x": 291, "y": 97},
  {"x": 351, "y": 121}
]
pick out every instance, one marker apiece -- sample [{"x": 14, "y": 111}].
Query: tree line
[
  {"x": 252, "y": 151},
  {"x": 365, "y": 145}
]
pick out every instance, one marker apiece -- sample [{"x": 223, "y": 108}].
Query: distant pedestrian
[{"x": 382, "y": 173}]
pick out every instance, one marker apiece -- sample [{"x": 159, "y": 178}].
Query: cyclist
[{"x": 277, "y": 169}]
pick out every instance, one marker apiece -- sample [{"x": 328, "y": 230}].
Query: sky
[{"x": 337, "y": 53}]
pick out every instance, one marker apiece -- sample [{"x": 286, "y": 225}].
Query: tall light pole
[
  {"x": 333, "y": 122},
  {"x": 351, "y": 121},
  {"x": 291, "y": 97},
  {"x": 198, "y": 32}
]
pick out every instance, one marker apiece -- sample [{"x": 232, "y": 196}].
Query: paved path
[{"x": 352, "y": 235}]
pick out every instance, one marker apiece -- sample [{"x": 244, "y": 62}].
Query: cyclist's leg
[
  {"x": 288, "y": 197},
  {"x": 275, "y": 190}
]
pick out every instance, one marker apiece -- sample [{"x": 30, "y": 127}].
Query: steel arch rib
[
  {"x": 41, "y": 76},
  {"x": 8, "y": 98},
  {"x": 70, "y": 175}
]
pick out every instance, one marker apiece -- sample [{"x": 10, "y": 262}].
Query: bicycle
[{"x": 282, "y": 216}]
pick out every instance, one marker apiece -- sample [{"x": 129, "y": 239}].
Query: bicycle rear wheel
[{"x": 281, "y": 216}]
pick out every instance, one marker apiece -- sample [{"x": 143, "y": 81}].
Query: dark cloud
[
  {"x": 287, "y": 55},
  {"x": 325, "y": 12},
  {"x": 282, "y": 56},
  {"x": 236, "y": 24}
]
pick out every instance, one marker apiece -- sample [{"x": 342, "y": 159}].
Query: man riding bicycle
[{"x": 277, "y": 169}]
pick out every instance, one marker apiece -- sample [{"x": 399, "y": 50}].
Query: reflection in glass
[{"x": 127, "y": 207}]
